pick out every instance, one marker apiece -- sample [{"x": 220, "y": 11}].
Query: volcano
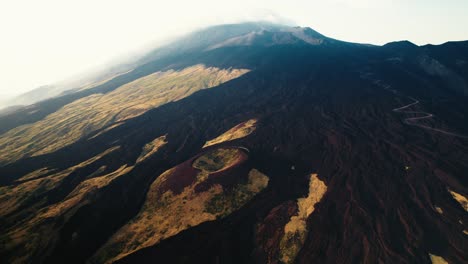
[{"x": 246, "y": 143}]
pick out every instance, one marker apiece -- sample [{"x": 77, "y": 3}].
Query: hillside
[{"x": 247, "y": 143}]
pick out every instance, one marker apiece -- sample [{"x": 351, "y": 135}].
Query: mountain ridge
[
  {"x": 30, "y": 97},
  {"x": 288, "y": 153}
]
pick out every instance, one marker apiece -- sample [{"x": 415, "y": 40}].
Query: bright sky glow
[{"x": 46, "y": 41}]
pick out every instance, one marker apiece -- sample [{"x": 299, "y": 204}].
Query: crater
[{"x": 219, "y": 159}]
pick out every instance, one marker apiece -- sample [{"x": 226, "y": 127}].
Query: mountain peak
[
  {"x": 272, "y": 35},
  {"x": 310, "y": 148},
  {"x": 401, "y": 44}
]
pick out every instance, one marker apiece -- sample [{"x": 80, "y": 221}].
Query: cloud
[
  {"x": 268, "y": 15},
  {"x": 52, "y": 40},
  {"x": 361, "y": 4}
]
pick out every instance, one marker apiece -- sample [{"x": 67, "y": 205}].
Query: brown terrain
[{"x": 248, "y": 143}]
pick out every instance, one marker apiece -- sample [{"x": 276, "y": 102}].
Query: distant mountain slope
[
  {"x": 250, "y": 143},
  {"x": 163, "y": 58},
  {"x": 91, "y": 113},
  {"x": 45, "y": 92}
]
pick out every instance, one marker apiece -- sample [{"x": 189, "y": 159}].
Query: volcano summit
[{"x": 246, "y": 143}]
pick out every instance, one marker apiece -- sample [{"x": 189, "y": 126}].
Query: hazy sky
[{"x": 45, "y": 41}]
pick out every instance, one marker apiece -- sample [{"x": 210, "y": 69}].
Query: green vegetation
[
  {"x": 290, "y": 246},
  {"x": 225, "y": 203},
  {"x": 217, "y": 159}
]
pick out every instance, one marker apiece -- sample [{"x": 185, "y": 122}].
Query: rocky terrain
[{"x": 247, "y": 143}]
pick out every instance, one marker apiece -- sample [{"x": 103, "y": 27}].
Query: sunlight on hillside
[
  {"x": 241, "y": 130},
  {"x": 12, "y": 197},
  {"x": 36, "y": 232},
  {"x": 295, "y": 231},
  {"x": 79, "y": 193},
  {"x": 165, "y": 213},
  {"x": 462, "y": 200},
  {"x": 437, "y": 260},
  {"x": 35, "y": 174},
  {"x": 151, "y": 148},
  {"x": 107, "y": 129},
  {"x": 217, "y": 159},
  {"x": 96, "y": 111}
]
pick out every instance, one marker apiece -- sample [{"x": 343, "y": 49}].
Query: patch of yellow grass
[
  {"x": 84, "y": 116},
  {"x": 257, "y": 181},
  {"x": 295, "y": 230},
  {"x": 106, "y": 130},
  {"x": 165, "y": 215},
  {"x": 239, "y": 131},
  {"x": 12, "y": 197},
  {"x": 35, "y": 174},
  {"x": 217, "y": 159},
  {"x": 462, "y": 200},
  {"x": 151, "y": 148},
  {"x": 35, "y": 233},
  {"x": 223, "y": 204},
  {"x": 78, "y": 195},
  {"x": 437, "y": 260},
  {"x": 94, "y": 83}
]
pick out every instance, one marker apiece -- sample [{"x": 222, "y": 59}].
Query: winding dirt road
[{"x": 412, "y": 121}]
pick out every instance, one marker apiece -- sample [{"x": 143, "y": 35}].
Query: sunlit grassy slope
[
  {"x": 151, "y": 148},
  {"x": 295, "y": 231},
  {"x": 241, "y": 130},
  {"x": 462, "y": 200},
  {"x": 13, "y": 196},
  {"x": 35, "y": 231},
  {"x": 166, "y": 213},
  {"x": 96, "y": 111}
]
